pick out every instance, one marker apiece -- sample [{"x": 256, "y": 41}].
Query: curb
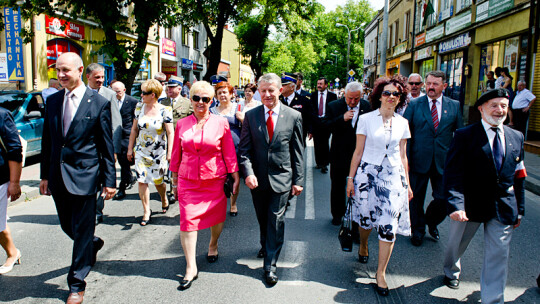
[
  {"x": 532, "y": 186},
  {"x": 27, "y": 194}
]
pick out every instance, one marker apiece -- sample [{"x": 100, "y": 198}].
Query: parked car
[
  {"x": 136, "y": 90},
  {"x": 28, "y": 110}
]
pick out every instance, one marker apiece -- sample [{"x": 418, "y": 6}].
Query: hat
[
  {"x": 287, "y": 78},
  {"x": 495, "y": 93},
  {"x": 175, "y": 81},
  {"x": 217, "y": 79}
]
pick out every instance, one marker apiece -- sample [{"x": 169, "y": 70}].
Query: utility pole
[
  {"x": 384, "y": 40},
  {"x": 349, "y": 40}
]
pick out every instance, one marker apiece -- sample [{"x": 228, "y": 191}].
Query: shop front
[
  {"x": 71, "y": 34},
  {"x": 453, "y": 61},
  {"x": 197, "y": 70},
  {"x": 392, "y": 67},
  {"x": 423, "y": 58}
]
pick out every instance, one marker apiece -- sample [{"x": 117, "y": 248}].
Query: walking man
[{"x": 521, "y": 107}]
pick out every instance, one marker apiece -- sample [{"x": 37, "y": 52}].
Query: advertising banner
[
  {"x": 14, "y": 47},
  {"x": 168, "y": 47},
  {"x": 458, "y": 23},
  {"x": 71, "y": 30},
  {"x": 187, "y": 64},
  {"x": 455, "y": 43}
]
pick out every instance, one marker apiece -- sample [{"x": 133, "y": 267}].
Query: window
[
  {"x": 397, "y": 40},
  {"x": 418, "y": 25},
  {"x": 390, "y": 33},
  {"x": 463, "y": 4},
  {"x": 406, "y": 25},
  {"x": 432, "y": 18},
  {"x": 168, "y": 33},
  {"x": 196, "y": 40},
  {"x": 185, "y": 35}
]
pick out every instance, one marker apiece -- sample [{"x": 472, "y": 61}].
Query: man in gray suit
[
  {"x": 271, "y": 159},
  {"x": 433, "y": 118},
  {"x": 95, "y": 74}
]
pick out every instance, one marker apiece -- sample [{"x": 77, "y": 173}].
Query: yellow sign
[{"x": 351, "y": 73}]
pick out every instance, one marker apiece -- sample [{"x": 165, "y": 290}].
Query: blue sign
[
  {"x": 350, "y": 79},
  {"x": 187, "y": 64},
  {"x": 458, "y": 42},
  {"x": 14, "y": 47}
]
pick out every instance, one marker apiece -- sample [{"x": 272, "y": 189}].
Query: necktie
[
  {"x": 434, "y": 115},
  {"x": 68, "y": 112},
  {"x": 270, "y": 126},
  {"x": 321, "y": 105},
  {"x": 498, "y": 154}
]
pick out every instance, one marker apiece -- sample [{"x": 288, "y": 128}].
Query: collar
[
  {"x": 488, "y": 126},
  {"x": 324, "y": 92},
  {"x": 95, "y": 90},
  {"x": 379, "y": 110},
  {"x": 439, "y": 100},
  {"x": 78, "y": 91},
  {"x": 123, "y": 98},
  {"x": 275, "y": 109}
]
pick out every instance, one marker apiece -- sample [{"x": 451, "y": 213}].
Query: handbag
[
  {"x": 345, "y": 232},
  {"x": 228, "y": 186}
]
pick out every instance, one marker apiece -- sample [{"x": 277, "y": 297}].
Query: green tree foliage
[{"x": 125, "y": 54}]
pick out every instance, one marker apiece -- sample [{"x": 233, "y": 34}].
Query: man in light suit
[
  {"x": 95, "y": 74},
  {"x": 483, "y": 182},
  {"x": 341, "y": 119},
  {"x": 127, "y": 105},
  {"x": 433, "y": 118},
  {"x": 271, "y": 159},
  {"x": 78, "y": 158}
]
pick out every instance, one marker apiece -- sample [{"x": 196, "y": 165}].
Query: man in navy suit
[
  {"x": 483, "y": 183},
  {"x": 292, "y": 99},
  {"x": 77, "y": 159},
  {"x": 433, "y": 118},
  {"x": 126, "y": 105}
]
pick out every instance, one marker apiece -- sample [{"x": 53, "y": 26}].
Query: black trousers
[
  {"x": 436, "y": 210},
  {"x": 322, "y": 146},
  {"x": 77, "y": 215},
  {"x": 125, "y": 170},
  {"x": 338, "y": 197},
  {"x": 270, "y": 208},
  {"x": 520, "y": 120}
]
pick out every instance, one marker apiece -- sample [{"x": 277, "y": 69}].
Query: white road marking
[{"x": 310, "y": 202}]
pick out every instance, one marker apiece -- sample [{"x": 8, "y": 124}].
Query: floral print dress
[{"x": 151, "y": 146}]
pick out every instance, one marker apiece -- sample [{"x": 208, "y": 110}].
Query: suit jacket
[
  {"x": 316, "y": 122},
  {"x": 343, "y": 133},
  {"x": 84, "y": 159},
  {"x": 471, "y": 181},
  {"x": 182, "y": 108},
  {"x": 127, "y": 112},
  {"x": 303, "y": 93},
  {"x": 11, "y": 148},
  {"x": 278, "y": 164},
  {"x": 425, "y": 144},
  {"x": 302, "y": 105},
  {"x": 110, "y": 95}
]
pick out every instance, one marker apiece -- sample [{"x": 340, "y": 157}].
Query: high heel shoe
[
  {"x": 185, "y": 284},
  {"x": 363, "y": 258},
  {"x": 8, "y": 268},
  {"x": 382, "y": 291},
  {"x": 165, "y": 209},
  {"x": 145, "y": 222}
]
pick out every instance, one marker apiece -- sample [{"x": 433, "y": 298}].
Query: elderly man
[
  {"x": 54, "y": 86},
  {"x": 521, "y": 107},
  {"x": 293, "y": 100},
  {"x": 415, "y": 84},
  {"x": 341, "y": 119},
  {"x": 162, "y": 78},
  {"x": 181, "y": 106},
  {"x": 483, "y": 182}
]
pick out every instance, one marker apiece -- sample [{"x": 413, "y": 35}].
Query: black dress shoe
[
  {"x": 98, "y": 244},
  {"x": 99, "y": 219},
  {"x": 233, "y": 214},
  {"x": 185, "y": 284},
  {"x": 270, "y": 277},
  {"x": 261, "y": 254},
  {"x": 324, "y": 170},
  {"x": 120, "y": 195},
  {"x": 363, "y": 258},
  {"x": 451, "y": 283},
  {"x": 212, "y": 258},
  {"x": 434, "y": 232},
  {"x": 417, "y": 240},
  {"x": 336, "y": 222},
  {"x": 384, "y": 292}
]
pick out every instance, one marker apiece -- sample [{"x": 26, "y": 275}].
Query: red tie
[
  {"x": 270, "y": 126},
  {"x": 434, "y": 115},
  {"x": 321, "y": 105}
]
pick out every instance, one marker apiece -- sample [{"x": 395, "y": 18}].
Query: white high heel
[{"x": 8, "y": 268}]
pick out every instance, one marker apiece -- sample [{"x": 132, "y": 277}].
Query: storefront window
[
  {"x": 55, "y": 48},
  {"x": 452, "y": 65},
  {"x": 144, "y": 71},
  {"x": 426, "y": 67}
]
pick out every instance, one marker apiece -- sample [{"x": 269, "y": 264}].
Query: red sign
[
  {"x": 168, "y": 47},
  {"x": 420, "y": 39},
  {"x": 72, "y": 30},
  {"x": 169, "y": 71}
]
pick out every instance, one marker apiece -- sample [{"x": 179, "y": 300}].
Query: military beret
[
  {"x": 217, "y": 79},
  {"x": 488, "y": 95},
  {"x": 175, "y": 81},
  {"x": 287, "y": 78}
]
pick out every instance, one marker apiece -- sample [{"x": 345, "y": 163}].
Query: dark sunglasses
[
  {"x": 415, "y": 83},
  {"x": 388, "y": 93},
  {"x": 146, "y": 93},
  {"x": 197, "y": 98}
]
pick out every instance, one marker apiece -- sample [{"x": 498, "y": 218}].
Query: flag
[{"x": 428, "y": 10}]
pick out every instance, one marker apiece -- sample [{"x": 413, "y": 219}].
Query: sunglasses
[
  {"x": 388, "y": 93},
  {"x": 415, "y": 83},
  {"x": 197, "y": 98},
  {"x": 146, "y": 93}
]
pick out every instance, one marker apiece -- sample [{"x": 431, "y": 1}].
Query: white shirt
[
  {"x": 290, "y": 98},
  {"x": 491, "y": 135},
  {"x": 275, "y": 114},
  {"x": 257, "y": 95},
  {"x": 324, "y": 94},
  {"x": 523, "y": 99},
  {"x": 78, "y": 94},
  {"x": 121, "y": 102},
  {"x": 438, "y": 104},
  {"x": 355, "y": 116},
  {"x": 499, "y": 82}
]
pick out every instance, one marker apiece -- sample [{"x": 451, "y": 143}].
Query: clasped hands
[{"x": 252, "y": 183}]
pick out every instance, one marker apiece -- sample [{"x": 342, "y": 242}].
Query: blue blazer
[
  {"x": 472, "y": 183},
  {"x": 84, "y": 159},
  {"x": 12, "y": 144}
]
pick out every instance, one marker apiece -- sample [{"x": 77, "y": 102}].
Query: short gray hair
[
  {"x": 271, "y": 78},
  {"x": 354, "y": 86},
  {"x": 415, "y": 75},
  {"x": 522, "y": 82},
  {"x": 94, "y": 67},
  {"x": 161, "y": 76}
]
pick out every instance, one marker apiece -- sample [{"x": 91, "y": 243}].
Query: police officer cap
[
  {"x": 287, "y": 78},
  {"x": 495, "y": 93},
  {"x": 217, "y": 79},
  {"x": 175, "y": 81}
]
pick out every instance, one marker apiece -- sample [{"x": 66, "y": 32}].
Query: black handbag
[
  {"x": 228, "y": 187},
  {"x": 345, "y": 232}
]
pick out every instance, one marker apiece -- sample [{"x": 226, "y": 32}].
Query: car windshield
[{"x": 12, "y": 101}]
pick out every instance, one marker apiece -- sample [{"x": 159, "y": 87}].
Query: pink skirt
[{"x": 202, "y": 203}]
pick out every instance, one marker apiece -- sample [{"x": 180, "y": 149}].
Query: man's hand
[
  {"x": 526, "y": 109},
  {"x": 296, "y": 190},
  {"x": 518, "y": 223},
  {"x": 309, "y": 136},
  {"x": 115, "y": 157},
  {"x": 130, "y": 155},
  {"x": 14, "y": 191},
  {"x": 348, "y": 115},
  {"x": 107, "y": 193},
  {"x": 459, "y": 216},
  {"x": 44, "y": 187},
  {"x": 251, "y": 182}
]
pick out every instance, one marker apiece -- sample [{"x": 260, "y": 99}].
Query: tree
[{"x": 125, "y": 54}]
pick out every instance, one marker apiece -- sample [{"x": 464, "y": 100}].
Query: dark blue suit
[
  {"x": 128, "y": 114},
  {"x": 76, "y": 167}
]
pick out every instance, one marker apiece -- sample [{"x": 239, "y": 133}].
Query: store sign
[
  {"x": 420, "y": 39},
  {"x": 13, "y": 46},
  {"x": 454, "y": 44},
  {"x": 497, "y": 7},
  {"x": 169, "y": 70},
  {"x": 400, "y": 48},
  {"x": 367, "y": 62},
  {"x": 71, "y": 30},
  {"x": 168, "y": 47},
  {"x": 197, "y": 66},
  {"x": 458, "y": 23},
  {"x": 447, "y": 13},
  {"x": 187, "y": 64},
  {"x": 435, "y": 33},
  {"x": 423, "y": 53},
  {"x": 392, "y": 64},
  {"x": 3, "y": 67},
  {"x": 482, "y": 11}
]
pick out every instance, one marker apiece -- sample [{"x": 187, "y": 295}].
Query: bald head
[
  {"x": 119, "y": 88},
  {"x": 53, "y": 83},
  {"x": 69, "y": 68}
]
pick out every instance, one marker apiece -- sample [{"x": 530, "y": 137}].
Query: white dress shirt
[
  {"x": 275, "y": 114},
  {"x": 121, "y": 102},
  {"x": 438, "y": 104},
  {"x": 290, "y": 98},
  {"x": 78, "y": 94},
  {"x": 355, "y": 116},
  {"x": 324, "y": 94},
  {"x": 523, "y": 99},
  {"x": 491, "y": 135}
]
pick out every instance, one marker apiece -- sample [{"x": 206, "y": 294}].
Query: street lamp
[
  {"x": 349, "y": 39},
  {"x": 334, "y": 55}
]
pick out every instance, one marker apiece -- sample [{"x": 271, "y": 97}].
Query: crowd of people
[{"x": 203, "y": 139}]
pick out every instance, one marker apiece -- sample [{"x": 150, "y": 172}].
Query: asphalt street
[{"x": 145, "y": 264}]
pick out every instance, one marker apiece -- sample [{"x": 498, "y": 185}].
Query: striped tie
[{"x": 434, "y": 115}]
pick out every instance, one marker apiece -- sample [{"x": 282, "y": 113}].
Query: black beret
[{"x": 488, "y": 95}]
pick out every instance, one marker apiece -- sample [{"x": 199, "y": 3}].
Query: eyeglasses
[
  {"x": 197, "y": 98},
  {"x": 146, "y": 93},
  {"x": 415, "y": 83},
  {"x": 388, "y": 93}
]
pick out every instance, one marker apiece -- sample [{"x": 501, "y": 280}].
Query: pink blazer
[{"x": 215, "y": 156}]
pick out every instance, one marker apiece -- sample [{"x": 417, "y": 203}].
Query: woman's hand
[
  {"x": 169, "y": 157},
  {"x": 236, "y": 184},
  {"x": 410, "y": 193},
  {"x": 350, "y": 187},
  {"x": 130, "y": 155},
  {"x": 240, "y": 116}
]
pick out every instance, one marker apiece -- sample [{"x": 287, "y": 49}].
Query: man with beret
[
  {"x": 483, "y": 182},
  {"x": 293, "y": 100}
]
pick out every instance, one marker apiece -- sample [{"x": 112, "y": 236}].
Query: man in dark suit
[
  {"x": 483, "y": 181},
  {"x": 341, "y": 119},
  {"x": 271, "y": 159},
  {"x": 293, "y": 100},
  {"x": 127, "y": 105},
  {"x": 299, "y": 90},
  {"x": 78, "y": 158},
  {"x": 433, "y": 119},
  {"x": 319, "y": 105}
]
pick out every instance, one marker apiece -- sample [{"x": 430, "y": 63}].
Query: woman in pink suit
[{"x": 203, "y": 153}]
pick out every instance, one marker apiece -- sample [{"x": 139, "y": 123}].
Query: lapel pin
[
  {"x": 444, "y": 111},
  {"x": 517, "y": 158},
  {"x": 89, "y": 100}
]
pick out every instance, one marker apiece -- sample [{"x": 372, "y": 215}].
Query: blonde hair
[
  {"x": 201, "y": 86},
  {"x": 152, "y": 85}
]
